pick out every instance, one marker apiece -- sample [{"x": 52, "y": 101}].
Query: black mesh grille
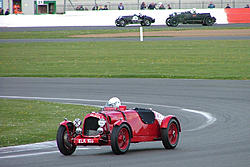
[{"x": 91, "y": 126}]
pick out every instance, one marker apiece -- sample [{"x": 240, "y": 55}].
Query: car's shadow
[
  {"x": 131, "y": 152},
  {"x": 134, "y": 151}
]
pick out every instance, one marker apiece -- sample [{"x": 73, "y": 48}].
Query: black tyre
[
  {"x": 170, "y": 135},
  {"x": 208, "y": 21},
  {"x": 117, "y": 23},
  {"x": 174, "y": 22},
  {"x": 120, "y": 139},
  {"x": 142, "y": 23},
  {"x": 147, "y": 22},
  {"x": 122, "y": 23},
  {"x": 63, "y": 144},
  {"x": 168, "y": 22}
]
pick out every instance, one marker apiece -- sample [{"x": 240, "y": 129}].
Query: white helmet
[
  {"x": 113, "y": 102},
  {"x": 193, "y": 10}
]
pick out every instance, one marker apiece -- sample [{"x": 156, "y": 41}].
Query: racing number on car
[{"x": 135, "y": 18}]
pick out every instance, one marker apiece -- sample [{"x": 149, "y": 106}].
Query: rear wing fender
[{"x": 165, "y": 121}]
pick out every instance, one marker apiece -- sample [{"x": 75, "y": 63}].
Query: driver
[
  {"x": 194, "y": 11},
  {"x": 113, "y": 102}
]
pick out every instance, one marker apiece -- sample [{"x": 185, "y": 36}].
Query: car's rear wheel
[
  {"x": 170, "y": 135},
  {"x": 208, "y": 21},
  {"x": 142, "y": 23},
  {"x": 174, "y": 22},
  {"x": 64, "y": 145},
  {"x": 120, "y": 139},
  {"x": 147, "y": 22}
]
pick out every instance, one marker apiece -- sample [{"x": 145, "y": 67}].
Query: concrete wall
[
  {"x": 107, "y": 18},
  {"x": 28, "y": 5},
  {"x": 96, "y": 18}
]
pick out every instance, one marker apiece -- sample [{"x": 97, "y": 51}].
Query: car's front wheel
[
  {"x": 64, "y": 145},
  {"x": 122, "y": 23},
  {"x": 120, "y": 139},
  {"x": 174, "y": 22},
  {"x": 170, "y": 135},
  {"x": 168, "y": 22}
]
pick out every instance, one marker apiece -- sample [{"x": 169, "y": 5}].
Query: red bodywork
[{"x": 140, "y": 131}]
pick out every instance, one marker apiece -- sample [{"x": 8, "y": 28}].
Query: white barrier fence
[{"x": 97, "y": 18}]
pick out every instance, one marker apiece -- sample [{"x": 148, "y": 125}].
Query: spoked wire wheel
[
  {"x": 122, "y": 23},
  {"x": 147, "y": 22},
  {"x": 209, "y": 21},
  {"x": 174, "y": 22}
]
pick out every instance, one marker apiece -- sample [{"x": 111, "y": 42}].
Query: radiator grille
[{"x": 91, "y": 126}]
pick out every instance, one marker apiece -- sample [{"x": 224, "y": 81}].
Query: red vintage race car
[{"x": 118, "y": 126}]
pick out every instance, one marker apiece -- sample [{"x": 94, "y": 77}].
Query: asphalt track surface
[
  {"x": 69, "y": 28},
  {"x": 23, "y": 29},
  {"x": 224, "y": 142},
  {"x": 125, "y": 39}
]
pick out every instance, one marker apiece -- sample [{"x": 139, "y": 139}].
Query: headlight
[
  {"x": 77, "y": 122},
  {"x": 78, "y": 130},
  {"x": 101, "y": 122},
  {"x": 100, "y": 130}
]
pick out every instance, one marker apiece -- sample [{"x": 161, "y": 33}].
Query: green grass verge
[
  {"x": 212, "y": 59},
  {"x": 67, "y": 33},
  {"x": 31, "y": 121}
]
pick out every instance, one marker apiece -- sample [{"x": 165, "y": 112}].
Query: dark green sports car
[{"x": 190, "y": 18}]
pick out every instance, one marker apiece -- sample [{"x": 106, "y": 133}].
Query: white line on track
[
  {"x": 28, "y": 147},
  {"x": 41, "y": 153},
  {"x": 28, "y": 155},
  {"x": 209, "y": 120}
]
